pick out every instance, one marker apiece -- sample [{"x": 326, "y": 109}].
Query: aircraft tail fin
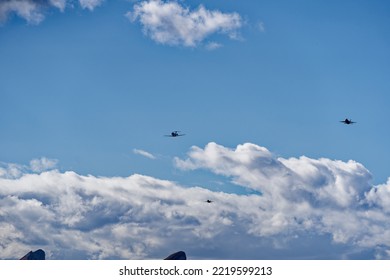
[
  {"x": 37, "y": 255},
  {"x": 177, "y": 256}
]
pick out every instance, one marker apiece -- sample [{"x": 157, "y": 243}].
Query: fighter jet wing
[{"x": 166, "y": 135}]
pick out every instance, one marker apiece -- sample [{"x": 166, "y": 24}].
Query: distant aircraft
[
  {"x": 209, "y": 201},
  {"x": 347, "y": 121},
  {"x": 175, "y": 134}
]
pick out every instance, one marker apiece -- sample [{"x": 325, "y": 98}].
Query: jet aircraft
[
  {"x": 175, "y": 133},
  {"x": 347, "y": 121},
  {"x": 209, "y": 201}
]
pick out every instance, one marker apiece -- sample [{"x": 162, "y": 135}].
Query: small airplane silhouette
[
  {"x": 347, "y": 121},
  {"x": 209, "y": 201},
  {"x": 175, "y": 134}
]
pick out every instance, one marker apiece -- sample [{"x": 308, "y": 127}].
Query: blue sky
[{"x": 91, "y": 87}]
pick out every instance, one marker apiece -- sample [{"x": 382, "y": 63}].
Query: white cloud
[
  {"x": 143, "y": 153},
  {"x": 60, "y": 4},
  {"x": 261, "y": 27},
  {"x": 321, "y": 195},
  {"x": 172, "y": 24},
  {"x": 42, "y": 164},
  {"x": 13, "y": 170},
  {"x": 252, "y": 166},
  {"x": 307, "y": 206},
  {"x": 10, "y": 170},
  {"x": 75, "y": 216},
  {"x": 33, "y": 11},
  {"x": 90, "y": 4},
  {"x": 213, "y": 46},
  {"x": 380, "y": 195}
]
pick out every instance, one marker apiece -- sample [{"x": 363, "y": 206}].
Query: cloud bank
[
  {"x": 315, "y": 195},
  {"x": 33, "y": 11},
  {"x": 170, "y": 23},
  {"x": 308, "y": 208}
]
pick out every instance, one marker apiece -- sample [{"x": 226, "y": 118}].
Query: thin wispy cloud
[
  {"x": 171, "y": 23},
  {"x": 143, "y": 153},
  {"x": 261, "y": 27},
  {"x": 33, "y": 11},
  {"x": 42, "y": 164},
  {"x": 10, "y": 170},
  {"x": 72, "y": 216},
  {"x": 213, "y": 46},
  {"x": 90, "y": 4}
]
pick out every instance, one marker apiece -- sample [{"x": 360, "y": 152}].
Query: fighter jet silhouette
[
  {"x": 209, "y": 201},
  {"x": 347, "y": 121},
  {"x": 175, "y": 134}
]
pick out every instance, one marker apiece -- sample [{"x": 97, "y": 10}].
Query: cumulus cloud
[
  {"x": 13, "y": 170},
  {"x": 10, "y": 170},
  {"x": 308, "y": 208},
  {"x": 33, "y": 11},
  {"x": 320, "y": 195},
  {"x": 380, "y": 195},
  {"x": 42, "y": 164},
  {"x": 324, "y": 180},
  {"x": 143, "y": 153},
  {"x": 74, "y": 216},
  {"x": 171, "y": 23}
]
